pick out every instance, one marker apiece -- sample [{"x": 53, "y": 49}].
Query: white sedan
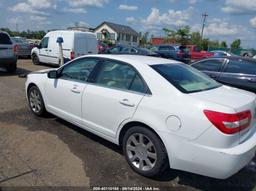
[{"x": 163, "y": 113}]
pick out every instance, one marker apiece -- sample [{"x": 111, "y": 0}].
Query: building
[
  {"x": 157, "y": 40},
  {"x": 117, "y": 34}
]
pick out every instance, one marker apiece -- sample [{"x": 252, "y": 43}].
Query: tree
[
  {"x": 236, "y": 44},
  {"x": 214, "y": 44},
  {"x": 223, "y": 44},
  {"x": 195, "y": 38},
  {"x": 183, "y": 35},
  {"x": 205, "y": 44}
]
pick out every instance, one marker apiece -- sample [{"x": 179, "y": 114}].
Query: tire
[
  {"x": 35, "y": 59},
  {"x": 12, "y": 68},
  {"x": 36, "y": 102},
  {"x": 137, "y": 155}
]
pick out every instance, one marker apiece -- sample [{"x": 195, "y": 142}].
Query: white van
[{"x": 75, "y": 44}]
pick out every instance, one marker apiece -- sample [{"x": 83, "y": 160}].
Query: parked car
[
  {"x": 163, "y": 113},
  {"x": 75, "y": 44},
  {"x": 196, "y": 53},
  {"x": 125, "y": 49},
  {"x": 23, "y": 47},
  {"x": 221, "y": 53},
  {"x": 8, "y": 58},
  {"x": 102, "y": 47},
  {"x": 175, "y": 52},
  {"x": 234, "y": 71}
]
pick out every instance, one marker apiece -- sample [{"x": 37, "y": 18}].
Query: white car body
[
  {"x": 192, "y": 142},
  {"x": 75, "y": 44}
]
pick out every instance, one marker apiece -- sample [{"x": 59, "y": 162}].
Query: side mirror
[
  {"x": 53, "y": 74},
  {"x": 39, "y": 46}
]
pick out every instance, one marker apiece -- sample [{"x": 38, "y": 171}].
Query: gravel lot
[{"x": 49, "y": 153}]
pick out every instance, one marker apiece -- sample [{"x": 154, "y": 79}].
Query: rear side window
[
  {"x": 208, "y": 65},
  {"x": 5, "y": 39},
  {"x": 185, "y": 78},
  {"x": 241, "y": 66}
]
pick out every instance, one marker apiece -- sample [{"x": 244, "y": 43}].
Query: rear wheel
[
  {"x": 36, "y": 102},
  {"x": 12, "y": 67},
  {"x": 35, "y": 59},
  {"x": 145, "y": 152}
]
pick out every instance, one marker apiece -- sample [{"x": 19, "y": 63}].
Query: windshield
[{"x": 185, "y": 78}]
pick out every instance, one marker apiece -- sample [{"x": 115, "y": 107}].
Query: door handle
[
  {"x": 126, "y": 102},
  {"x": 50, "y": 50},
  {"x": 75, "y": 89}
]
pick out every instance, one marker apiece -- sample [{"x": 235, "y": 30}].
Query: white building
[{"x": 117, "y": 34}]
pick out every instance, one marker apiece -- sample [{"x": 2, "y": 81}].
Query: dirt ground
[{"x": 51, "y": 154}]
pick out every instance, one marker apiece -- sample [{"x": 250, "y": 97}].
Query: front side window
[
  {"x": 121, "y": 76},
  {"x": 185, "y": 78},
  {"x": 241, "y": 66},
  {"x": 78, "y": 70},
  {"x": 208, "y": 65},
  {"x": 44, "y": 42}
]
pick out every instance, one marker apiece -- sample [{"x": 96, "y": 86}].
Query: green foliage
[
  {"x": 223, "y": 44},
  {"x": 27, "y": 34},
  {"x": 236, "y": 44}
]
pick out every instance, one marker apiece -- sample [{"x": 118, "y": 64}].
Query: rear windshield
[
  {"x": 185, "y": 78},
  {"x": 5, "y": 39}
]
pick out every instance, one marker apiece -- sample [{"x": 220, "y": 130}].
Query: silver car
[
  {"x": 23, "y": 48},
  {"x": 8, "y": 58}
]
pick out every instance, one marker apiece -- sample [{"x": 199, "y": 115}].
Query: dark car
[
  {"x": 124, "y": 49},
  {"x": 175, "y": 52},
  {"x": 8, "y": 57},
  {"x": 23, "y": 48},
  {"x": 233, "y": 71}
]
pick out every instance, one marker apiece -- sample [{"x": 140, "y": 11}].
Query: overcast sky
[{"x": 227, "y": 20}]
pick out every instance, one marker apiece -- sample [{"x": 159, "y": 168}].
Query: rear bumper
[
  {"x": 209, "y": 161},
  {"x": 8, "y": 61}
]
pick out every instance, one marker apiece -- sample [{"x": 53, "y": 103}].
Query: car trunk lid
[{"x": 236, "y": 99}]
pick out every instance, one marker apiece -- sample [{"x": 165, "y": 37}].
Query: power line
[{"x": 204, "y": 15}]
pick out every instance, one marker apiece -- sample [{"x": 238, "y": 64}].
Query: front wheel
[
  {"x": 35, "y": 59},
  {"x": 145, "y": 152},
  {"x": 36, "y": 102}
]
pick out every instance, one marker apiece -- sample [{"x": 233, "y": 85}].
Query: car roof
[
  {"x": 136, "y": 59},
  {"x": 228, "y": 57}
]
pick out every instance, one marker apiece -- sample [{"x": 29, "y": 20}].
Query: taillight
[
  {"x": 72, "y": 55},
  {"x": 15, "y": 49},
  {"x": 229, "y": 123}
]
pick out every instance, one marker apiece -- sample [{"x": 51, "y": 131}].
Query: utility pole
[{"x": 204, "y": 15}]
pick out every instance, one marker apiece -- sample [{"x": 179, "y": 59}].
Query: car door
[
  {"x": 112, "y": 98},
  {"x": 64, "y": 94},
  {"x": 43, "y": 50},
  {"x": 240, "y": 73},
  {"x": 211, "y": 67}
]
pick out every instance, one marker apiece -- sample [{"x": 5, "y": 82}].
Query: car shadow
[
  {"x": 243, "y": 180},
  {"x": 19, "y": 72},
  {"x": 105, "y": 165}
]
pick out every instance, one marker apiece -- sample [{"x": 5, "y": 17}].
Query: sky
[{"x": 227, "y": 19}]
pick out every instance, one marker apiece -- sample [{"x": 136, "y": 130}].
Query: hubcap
[
  {"x": 35, "y": 101},
  {"x": 141, "y": 152}
]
